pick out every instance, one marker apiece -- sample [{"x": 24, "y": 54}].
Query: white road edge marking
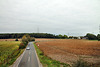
[{"x": 29, "y": 59}]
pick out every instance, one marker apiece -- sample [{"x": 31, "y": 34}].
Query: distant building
[
  {"x": 78, "y": 37},
  {"x": 84, "y": 37}
]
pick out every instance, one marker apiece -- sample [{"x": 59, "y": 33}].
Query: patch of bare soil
[{"x": 69, "y": 51}]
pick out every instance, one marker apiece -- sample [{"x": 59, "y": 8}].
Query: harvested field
[
  {"x": 44, "y": 39},
  {"x": 70, "y": 50},
  {"x": 9, "y": 39}
]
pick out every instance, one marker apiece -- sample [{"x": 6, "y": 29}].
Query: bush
[
  {"x": 24, "y": 39},
  {"x": 80, "y": 63},
  {"x": 28, "y": 37},
  {"x": 16, "y": 39},
  {"x": 32, "y": 39},
  {"x": 25, "y": 43},
  {"x": 21, "y": 46}
]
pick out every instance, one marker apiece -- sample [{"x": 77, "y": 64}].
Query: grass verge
[{"x": 48, "y": 62}]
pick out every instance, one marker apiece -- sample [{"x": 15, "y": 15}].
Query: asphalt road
[{"x": 29, "y": 58}]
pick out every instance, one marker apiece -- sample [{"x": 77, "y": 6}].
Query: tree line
[
  {"x": 36, "y": 35},
  {"x": 93, "y": 37},
  {"x": 47, "y": 35}
]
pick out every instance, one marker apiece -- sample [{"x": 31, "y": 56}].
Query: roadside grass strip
[{"x": 48, "y": 62}]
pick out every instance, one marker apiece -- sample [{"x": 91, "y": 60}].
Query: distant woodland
[
  {"x": 36, "y": 35},
  {"x": 46, "y": 35}
]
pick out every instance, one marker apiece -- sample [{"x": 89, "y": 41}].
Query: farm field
[
  {"x": 36, "y": 39},
  {"x": 45, "y": 39},
  {"x": 70, "y": 50},
  {"x": 9, "y": 39},
  {"x": 8, "y": 51}
]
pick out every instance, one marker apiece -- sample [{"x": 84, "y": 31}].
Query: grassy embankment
[
  {"x": 9, "y": 52},
  {"x": 48, "y": 62}
]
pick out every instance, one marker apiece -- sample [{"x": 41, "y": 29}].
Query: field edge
[{"x": 46, "y": 61}]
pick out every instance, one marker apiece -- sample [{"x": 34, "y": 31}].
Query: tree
[
  {"x": 60, "y": 36},
  {"x": 28, "y": 37},
  {"x": 91, "y": 36},
  {"x": 32, "y": 39},
  {"x": 25, "y": 40},
  {"x": 98, "y": 37},
  {"x": 65, "y": 36}
]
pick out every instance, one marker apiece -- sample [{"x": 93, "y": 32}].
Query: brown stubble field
[{"x": 70, "y": 50}]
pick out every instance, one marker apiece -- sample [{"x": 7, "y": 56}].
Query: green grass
[
  {"x": 47, "y": 62},
  {"x": 9, "y": 52}
]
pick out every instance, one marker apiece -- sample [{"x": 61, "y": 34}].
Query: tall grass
[{"x": 8, "y": 52}]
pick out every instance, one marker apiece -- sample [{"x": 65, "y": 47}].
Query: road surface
[{"x": 29, "y": 58}]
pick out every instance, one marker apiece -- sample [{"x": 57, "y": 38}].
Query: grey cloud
[{"x": 53, "y": 16}]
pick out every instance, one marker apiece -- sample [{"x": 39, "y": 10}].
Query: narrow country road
[{"x": 29, "y": 58}]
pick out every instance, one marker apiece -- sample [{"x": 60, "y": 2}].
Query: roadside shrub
[
  {"x": 28, "y": 37},
  {"x": 24, "y": 39},
  {"x": 41, "y": 53},
  {"x": 80, "y": 63},
  {"x": 21, "y": 46},
  {"x": 25, "y": 43},
  {"x": 32, "y": 39}
]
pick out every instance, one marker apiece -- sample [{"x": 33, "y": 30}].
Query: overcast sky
[{"x": 73, "y": 17}]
